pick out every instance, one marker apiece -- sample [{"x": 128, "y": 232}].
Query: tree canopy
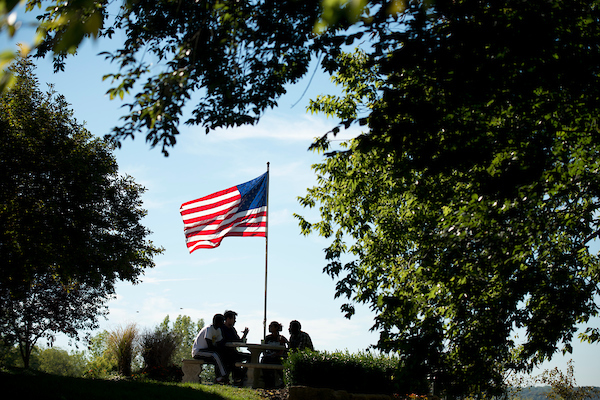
[
  {"x": 71, "y": 225},
  {"x": 465, "y": 213},
  {"x": 229, "y": 60}
]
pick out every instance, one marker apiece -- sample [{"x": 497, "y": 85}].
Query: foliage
[
  {"x": 542, "y": 393},
  {"x": 56, "y": 361},
  {"x": 49, "y": 307},
  {"x": 9, "y": 354},
  {"x": 52, "y": 360},
  {"x": 232, "y": 59},
  {"x": 101, "y": 363},
  {"x": 121, "y": 344},
  {"x": 61, "y": 191},
  {"x": 467, "y": 208},
  {"x": 163, "y": 348},
  {"x": 184, "y": 331},
  {"x": 563, "y": 385},
  {"x": 169, "y": 373},
  {"x": 355, "y": 373},
  {"x": 157, "y": 348},
  {"x": 237, "y": 55},
  {"x": 181, "y": 332},
  {"x": 71, "y": 224},
  {"x": 557, "y": 385}
]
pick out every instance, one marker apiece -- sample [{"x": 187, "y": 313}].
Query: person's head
[
  {"x": 295, "y": 327},
  {"x": 218, "y": 320},
  {"x": 230, "y": 318},
  {"x": 275, "y": 327}
]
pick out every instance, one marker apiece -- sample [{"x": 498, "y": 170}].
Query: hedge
[{"x": 364, "y": 372}]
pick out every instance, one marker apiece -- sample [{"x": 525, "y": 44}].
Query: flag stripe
[{"x": 238, "y": 211}]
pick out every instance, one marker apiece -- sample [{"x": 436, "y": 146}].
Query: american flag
[{"x": 238, "y": 211}]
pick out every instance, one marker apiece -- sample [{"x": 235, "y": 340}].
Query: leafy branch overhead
[{"x": 228, "y": 60}]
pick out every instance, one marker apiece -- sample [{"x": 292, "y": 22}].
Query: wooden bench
[
  {"x": 191, "y": 370},
  {"x": 254, "y": 376}
]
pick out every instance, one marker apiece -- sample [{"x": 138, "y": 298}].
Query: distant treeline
[{"x": 541, "y": 392}]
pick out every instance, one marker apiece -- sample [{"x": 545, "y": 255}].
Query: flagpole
[{"x": 266, "y": 255}]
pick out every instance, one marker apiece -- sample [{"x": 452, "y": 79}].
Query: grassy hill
[{"x": 38, "y": 385}]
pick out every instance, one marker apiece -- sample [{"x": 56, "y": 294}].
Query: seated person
[
  {"x": 274, "y": 356},
  {"x": 231, "y": 355},
  {"x": 274, "y": 378},
  {"x": 207, "y": 347},
  {"x": 299, "y": 340}
]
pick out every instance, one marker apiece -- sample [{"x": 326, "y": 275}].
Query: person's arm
[
  {"x": 309, "y": 343},
  {"x": 210, "y": 344}
]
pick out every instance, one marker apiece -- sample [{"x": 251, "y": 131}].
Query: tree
[
  {"x": 238, "y": 55},
  {"x": 71, "y": 224},
  {"x": 56, "y": 361},
  {"x": 185, "y": 331},
  {"x": 101, "y": 361},
  {"x": 563, "y": 385},
  {"x": 465, "y": 212},
  {"x": 47, "y": 307}
]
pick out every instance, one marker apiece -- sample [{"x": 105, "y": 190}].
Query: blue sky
[{"x": 231, "y": 276}]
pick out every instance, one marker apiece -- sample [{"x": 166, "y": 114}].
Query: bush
[
  {"x": 158, "y": 349},
  {"x": 356, "y": 373},
  {"x": 121, "y": 343}
]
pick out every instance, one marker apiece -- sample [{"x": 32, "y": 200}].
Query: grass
[{"x": 28, "y": 384}]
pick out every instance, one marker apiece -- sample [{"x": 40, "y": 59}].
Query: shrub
[
  {"x": 121, "y": 343},
  {"x": 158, "y": 348},
  {"x": 100, "y": 368},
  {"x": 364, "y": 372}
]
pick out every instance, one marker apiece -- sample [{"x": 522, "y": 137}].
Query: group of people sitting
[{"x": 210, "y": 346}]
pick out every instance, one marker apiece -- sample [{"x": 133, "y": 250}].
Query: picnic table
[{"x": 255, "y": 367}]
